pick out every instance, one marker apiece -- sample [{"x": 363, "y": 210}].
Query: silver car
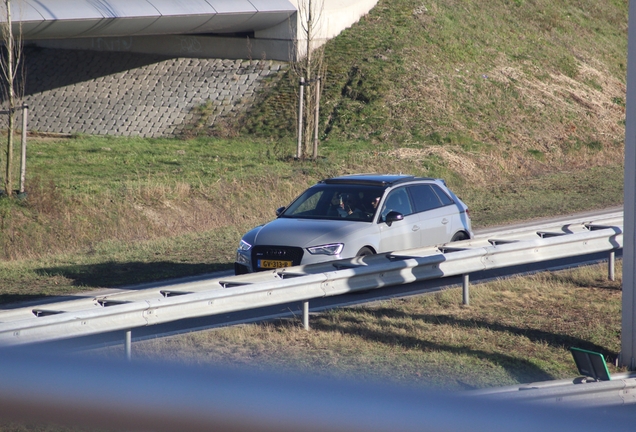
[{"x": 356, "y": 215}]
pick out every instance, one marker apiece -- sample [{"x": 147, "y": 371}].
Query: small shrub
[
  {"x": 537, "y": 154},
  {"x": 568, "y": 66}
]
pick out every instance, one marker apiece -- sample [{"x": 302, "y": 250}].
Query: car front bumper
[{"x": 246, "y": 260}]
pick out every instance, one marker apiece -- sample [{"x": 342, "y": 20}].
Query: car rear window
[
  {"x": 427, "y": 197},
  {"x": 443, "y": 196}
]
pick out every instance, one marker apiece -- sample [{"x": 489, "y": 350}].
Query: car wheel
[
  {"x": 459, "y": 236},
  {"x": 365, "y": 251},
  {"x": 240, "y": 269}
]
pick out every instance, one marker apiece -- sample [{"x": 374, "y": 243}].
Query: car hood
[{"x": 306, "y": 232}]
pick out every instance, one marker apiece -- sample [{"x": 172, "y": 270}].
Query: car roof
[{"x": 374, "y": 179}]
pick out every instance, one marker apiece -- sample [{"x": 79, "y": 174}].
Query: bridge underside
[
  {"x": 233, "y": 47},
  {"x": 142, "y": 67},
  {"x": 230, "y": 29}
]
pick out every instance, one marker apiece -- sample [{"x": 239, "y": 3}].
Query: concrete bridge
[{"x": 140, "y": 67}]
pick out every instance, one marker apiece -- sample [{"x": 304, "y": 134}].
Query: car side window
[
  {"x": 443, "y": 196},
  {"x": 397, "y": 200},
  {"x": 424, "y": 197}
]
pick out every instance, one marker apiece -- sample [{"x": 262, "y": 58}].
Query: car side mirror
[
  {"x": 279, "y": 211},
  {"x": 393, "y": 216}
]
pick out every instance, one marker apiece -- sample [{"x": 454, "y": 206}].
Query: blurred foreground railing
[{"x": 37, "y": 387}]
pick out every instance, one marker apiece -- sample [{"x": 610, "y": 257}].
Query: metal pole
[
  {"x": 128, "y": 345},
  {"x": 25, "y": 114},
  {"x": 628, "y": 329},
  {"x": 306, "y": 315},
  {"x": 316, "y": 118},
  {"x": 611, "y": 265},
  {"x": 299, "y": 150},
  {"x": 465, "y": 293}
]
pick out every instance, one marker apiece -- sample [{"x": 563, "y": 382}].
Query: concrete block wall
[{"x": 131, "y": 94}]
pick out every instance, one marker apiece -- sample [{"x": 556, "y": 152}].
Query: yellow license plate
[{"x": 273, "y": 263}]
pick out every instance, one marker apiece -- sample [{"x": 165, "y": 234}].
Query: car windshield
[{"x": 335, "y": 201}]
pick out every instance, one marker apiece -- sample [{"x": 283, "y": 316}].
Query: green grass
[
  {"x": 408, "y": 71},
  {"x": 93, "y": 164},
  {"x": 532, "y": 198}
]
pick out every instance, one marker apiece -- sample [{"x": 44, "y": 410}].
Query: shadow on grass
[
  {"x": 534, "y": 335},
  {"x": 115, "y": 274},
  {"x": 604, "y": 284},
  {"x": 520, "y": 369}
]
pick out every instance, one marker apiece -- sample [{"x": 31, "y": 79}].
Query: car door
[
  {"x": 400, "y": 234},
  {"x": 434, "y": 215}
]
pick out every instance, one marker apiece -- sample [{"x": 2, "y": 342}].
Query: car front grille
[{"x": 276, "y": 253}]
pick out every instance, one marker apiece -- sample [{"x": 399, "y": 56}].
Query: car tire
[
  {"x": 365, "y": 251},
  {"x": 240, "y": 269},
  {"x": 460, "y": 236}
]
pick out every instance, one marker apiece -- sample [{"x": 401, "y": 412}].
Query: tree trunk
[{"x": 9, "y": 72}]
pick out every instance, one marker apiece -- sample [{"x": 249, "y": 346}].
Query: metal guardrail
[{"x": 303, "y": 283}]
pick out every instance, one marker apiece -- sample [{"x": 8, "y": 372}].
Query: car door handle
[
  {"x": 415, "y": 227},
  {"x": 444, "y": 221}
]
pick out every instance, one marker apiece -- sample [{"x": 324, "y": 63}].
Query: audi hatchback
[{"x": 356, "y": 215}]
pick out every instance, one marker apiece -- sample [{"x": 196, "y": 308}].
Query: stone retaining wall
[{"x": 104, "y": 93}]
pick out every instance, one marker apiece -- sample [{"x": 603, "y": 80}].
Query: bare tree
[
  {"x": 9, "y": 64},
  {"x": 309, "y": 69}
]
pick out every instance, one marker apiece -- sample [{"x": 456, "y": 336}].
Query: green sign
[{"x": 591, "y": 364}]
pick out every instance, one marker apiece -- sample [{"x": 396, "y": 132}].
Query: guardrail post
[
  {"x": 306, "y": 315},
  {"x": 465, "y": 294},
  {"x": 299, "y": 149},
  {"x": 128, "y": 345},
  {"x": 610, "y": 265}
]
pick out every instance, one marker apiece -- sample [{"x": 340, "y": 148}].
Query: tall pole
[
  {"x": 628, "y": 344},
  {"x": 299, "y": 149},
  {"x": 308, "y": 74},
  {"x": 316, "y": 117},
  {"x": 25, "y": 116},
  {"x": 8, "y": 40}
]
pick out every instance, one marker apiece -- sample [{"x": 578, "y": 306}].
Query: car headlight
[
  {"x": 328, "y": 249},
  {"x": 244, "y": 246}
]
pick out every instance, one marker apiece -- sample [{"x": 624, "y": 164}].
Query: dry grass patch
[
  {"x": 52, "y": 222},
  {"x": 469, "y": 166},
  {"x": 536, "y": 124}
]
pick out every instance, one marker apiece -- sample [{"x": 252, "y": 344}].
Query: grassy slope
[
  {"x": 517, "y": 104},
  {"x": 526, "y": 74}
]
